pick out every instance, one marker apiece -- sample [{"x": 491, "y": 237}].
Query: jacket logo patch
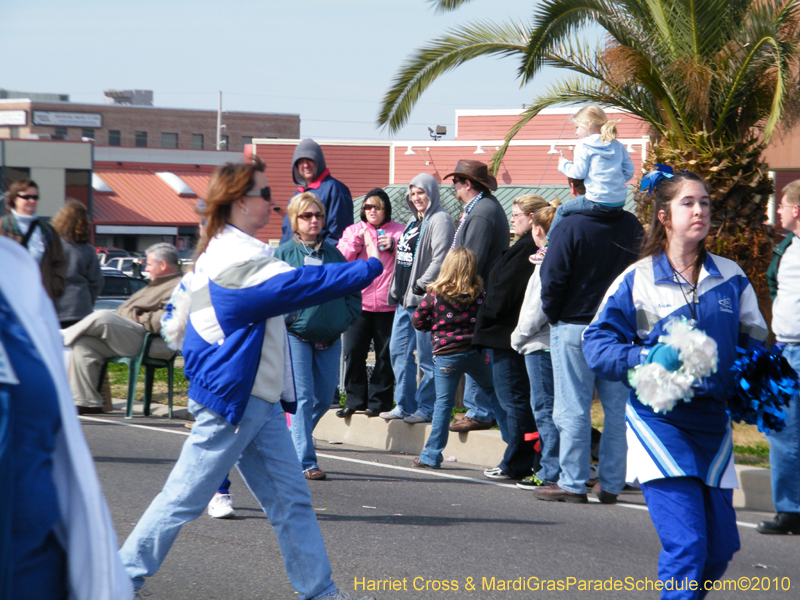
[{"x": 725, "y": 305}]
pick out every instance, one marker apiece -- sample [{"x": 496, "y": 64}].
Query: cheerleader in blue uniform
[{"x": 683, "y": 459}]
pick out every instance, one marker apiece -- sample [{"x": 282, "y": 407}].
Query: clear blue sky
[{"x": 330, "y": 61}]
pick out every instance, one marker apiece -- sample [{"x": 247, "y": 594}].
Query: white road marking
[{"x": 432, "y": 472}]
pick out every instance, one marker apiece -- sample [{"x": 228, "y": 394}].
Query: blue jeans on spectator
[
  {"x": 316, "y": 374},
  {"x": 410, "y": 397},
  {"x": 476, "y": 402},
  {"x": 580, "y": 203},
  {"x": 514, "y": 395},
  {"x": 268, "y": 463},
  {"x": 448, "y": 370},
  {"x": 574, "y": 388},
  {"x": 784, "y": 450},
  {"x": 540, "y": 375}
]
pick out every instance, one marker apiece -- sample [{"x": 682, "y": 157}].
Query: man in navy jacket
[
  {"x": 587, "y": 251},
  {"x": 310, "y": 174}
]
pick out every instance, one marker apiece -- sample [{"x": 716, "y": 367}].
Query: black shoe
[
  {"x": 345, "y": 412},
  {"x": 371, "y": 412},
  {"x": 782, "y": 524}
]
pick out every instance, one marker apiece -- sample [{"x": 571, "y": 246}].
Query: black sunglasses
[
  {"x": 264, "y": 192},
  {"x": 28, "y": 196}
]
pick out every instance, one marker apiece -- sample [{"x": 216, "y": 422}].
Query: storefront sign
[{"x": 67, "y": 119}]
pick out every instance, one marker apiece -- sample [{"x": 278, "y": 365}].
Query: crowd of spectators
[{"x": 537, "y": 327}]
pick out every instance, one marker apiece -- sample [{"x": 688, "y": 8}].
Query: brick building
[{"x": 139, "y": 126}]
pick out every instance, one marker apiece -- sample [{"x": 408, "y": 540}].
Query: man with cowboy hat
[{"x": 483, "y": 228}]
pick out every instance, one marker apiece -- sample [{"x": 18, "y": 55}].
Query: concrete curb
[{"x": 480, "y": 448}]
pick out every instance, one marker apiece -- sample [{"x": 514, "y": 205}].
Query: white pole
[{"x": 219, "y": 122}]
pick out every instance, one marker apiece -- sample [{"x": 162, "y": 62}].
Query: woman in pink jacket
[{"x": 375, "y": 321}]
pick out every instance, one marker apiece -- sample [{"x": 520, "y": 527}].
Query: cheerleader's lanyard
[
  {"x": 691, "y": 300},
  {"x": 464, "y": 215}
]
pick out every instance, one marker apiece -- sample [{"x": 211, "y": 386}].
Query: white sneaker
[
  {"x": 395, "y": 413},
  {"x": 496, "y": 473},
  {"x": 221, "y": 507}
]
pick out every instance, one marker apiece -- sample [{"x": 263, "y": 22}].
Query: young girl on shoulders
[
  {"x": 600, "y": 160},
  {"x": 449, "y": 311}
]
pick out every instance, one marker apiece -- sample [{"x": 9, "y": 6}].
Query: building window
[
  {"x": 197, "y": 141},
  {"x": 115, "y": 137},
  {"x": 141, "y": 139},
  {"x": 247, "y": 139},
  {"x": 169, "y": 140},
  {"x": 87, "y": 133},
  {"x": 223, "y": 142},
  {"x": 60, "y": 133}
]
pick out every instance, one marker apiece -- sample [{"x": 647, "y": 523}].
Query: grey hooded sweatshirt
[{"x": 433, "y": 244}]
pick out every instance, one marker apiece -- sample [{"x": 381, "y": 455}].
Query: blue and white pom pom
[
  {"x": 764, "y": 385},
  {"x": 661, "y": 389}
]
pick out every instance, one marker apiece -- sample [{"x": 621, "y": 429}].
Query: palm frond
[
  {"x": 443, "y": 54},
  {"x": 443, "y": 6}
]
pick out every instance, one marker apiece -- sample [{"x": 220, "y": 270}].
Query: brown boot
[{"x": 467, "y": 424}]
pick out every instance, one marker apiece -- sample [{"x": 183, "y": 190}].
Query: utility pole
[{"x": 219, "y": 122}]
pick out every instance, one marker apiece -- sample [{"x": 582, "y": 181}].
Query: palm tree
[{"x": 713, "y": 79}]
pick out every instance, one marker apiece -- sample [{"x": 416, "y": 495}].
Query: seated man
[{"x": 105, "y": 334}]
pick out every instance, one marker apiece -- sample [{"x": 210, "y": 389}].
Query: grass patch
[{"x": 118, "y": 378}]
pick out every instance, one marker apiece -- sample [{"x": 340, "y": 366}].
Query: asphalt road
[{"x": 383, "y": 521}]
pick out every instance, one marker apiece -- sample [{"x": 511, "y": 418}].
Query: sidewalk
[{"x": 480, "y": 448}]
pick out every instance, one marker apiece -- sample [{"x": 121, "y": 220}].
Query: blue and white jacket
[
  {"x": 694, "y": 439},
  {"x": 235, "y": 337}
]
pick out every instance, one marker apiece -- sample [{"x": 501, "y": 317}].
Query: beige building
[{"x": 139, "y": 126}]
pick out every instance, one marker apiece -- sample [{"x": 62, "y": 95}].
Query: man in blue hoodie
[{"x": 311, "y": 175}]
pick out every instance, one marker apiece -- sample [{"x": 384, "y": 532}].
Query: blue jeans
[
  {"x": 577, "y": 204},
  {"x": 410, "y": 397},
  {"x": 268, "y": 464},
  {"x": 476, "y": 402},
  {"x": 514, "y": 395},
  {"x": 784, "y": 450},
  {"x": 697, "y": 528},
  {"x": 316, "y": 375},
  {"x": 448, "y": 369},
  {"x": 540, "y": 375},
  {"x": 574, "y": 385}
]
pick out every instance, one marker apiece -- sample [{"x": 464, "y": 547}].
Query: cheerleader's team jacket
[{"x": 694, "y": 439}]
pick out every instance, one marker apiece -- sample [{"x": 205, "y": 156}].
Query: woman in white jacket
[{"x": 532, "y": 338}]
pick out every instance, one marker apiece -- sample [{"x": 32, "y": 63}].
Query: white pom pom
[{"x": 661, "y": 389}]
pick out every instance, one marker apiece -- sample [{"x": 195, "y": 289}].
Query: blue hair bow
[{"x": 653, "y": 178}]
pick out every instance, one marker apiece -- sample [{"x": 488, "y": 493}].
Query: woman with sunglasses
[
  {"x": 22, "y": 225},
  {"x": 314, "y": 333},
  {"x": 235, "y": 350},
  {"x": 374, "y": 324}
]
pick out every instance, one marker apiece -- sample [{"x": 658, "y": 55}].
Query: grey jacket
[
  {"x": 432, "y": 246},
  {"x": 84, "y": 282},
  {"x": 485, "y": 231}
]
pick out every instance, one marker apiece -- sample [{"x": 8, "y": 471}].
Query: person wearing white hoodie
[{"x": 600, "y": 160}]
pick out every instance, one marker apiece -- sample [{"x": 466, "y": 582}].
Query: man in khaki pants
[{"x": 105, "y": 334}]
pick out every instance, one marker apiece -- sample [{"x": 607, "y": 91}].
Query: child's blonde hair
[
  {"x": 594, "y": 115},
  {"x": 458, "y": 276},
  {"x": 544, "y": 216}
]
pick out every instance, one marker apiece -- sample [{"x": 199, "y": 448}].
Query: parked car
[
  {"x": 105, "y": 254},
  {"x": 130, "y": 265},
  {"x": 117, "y": 287}
]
